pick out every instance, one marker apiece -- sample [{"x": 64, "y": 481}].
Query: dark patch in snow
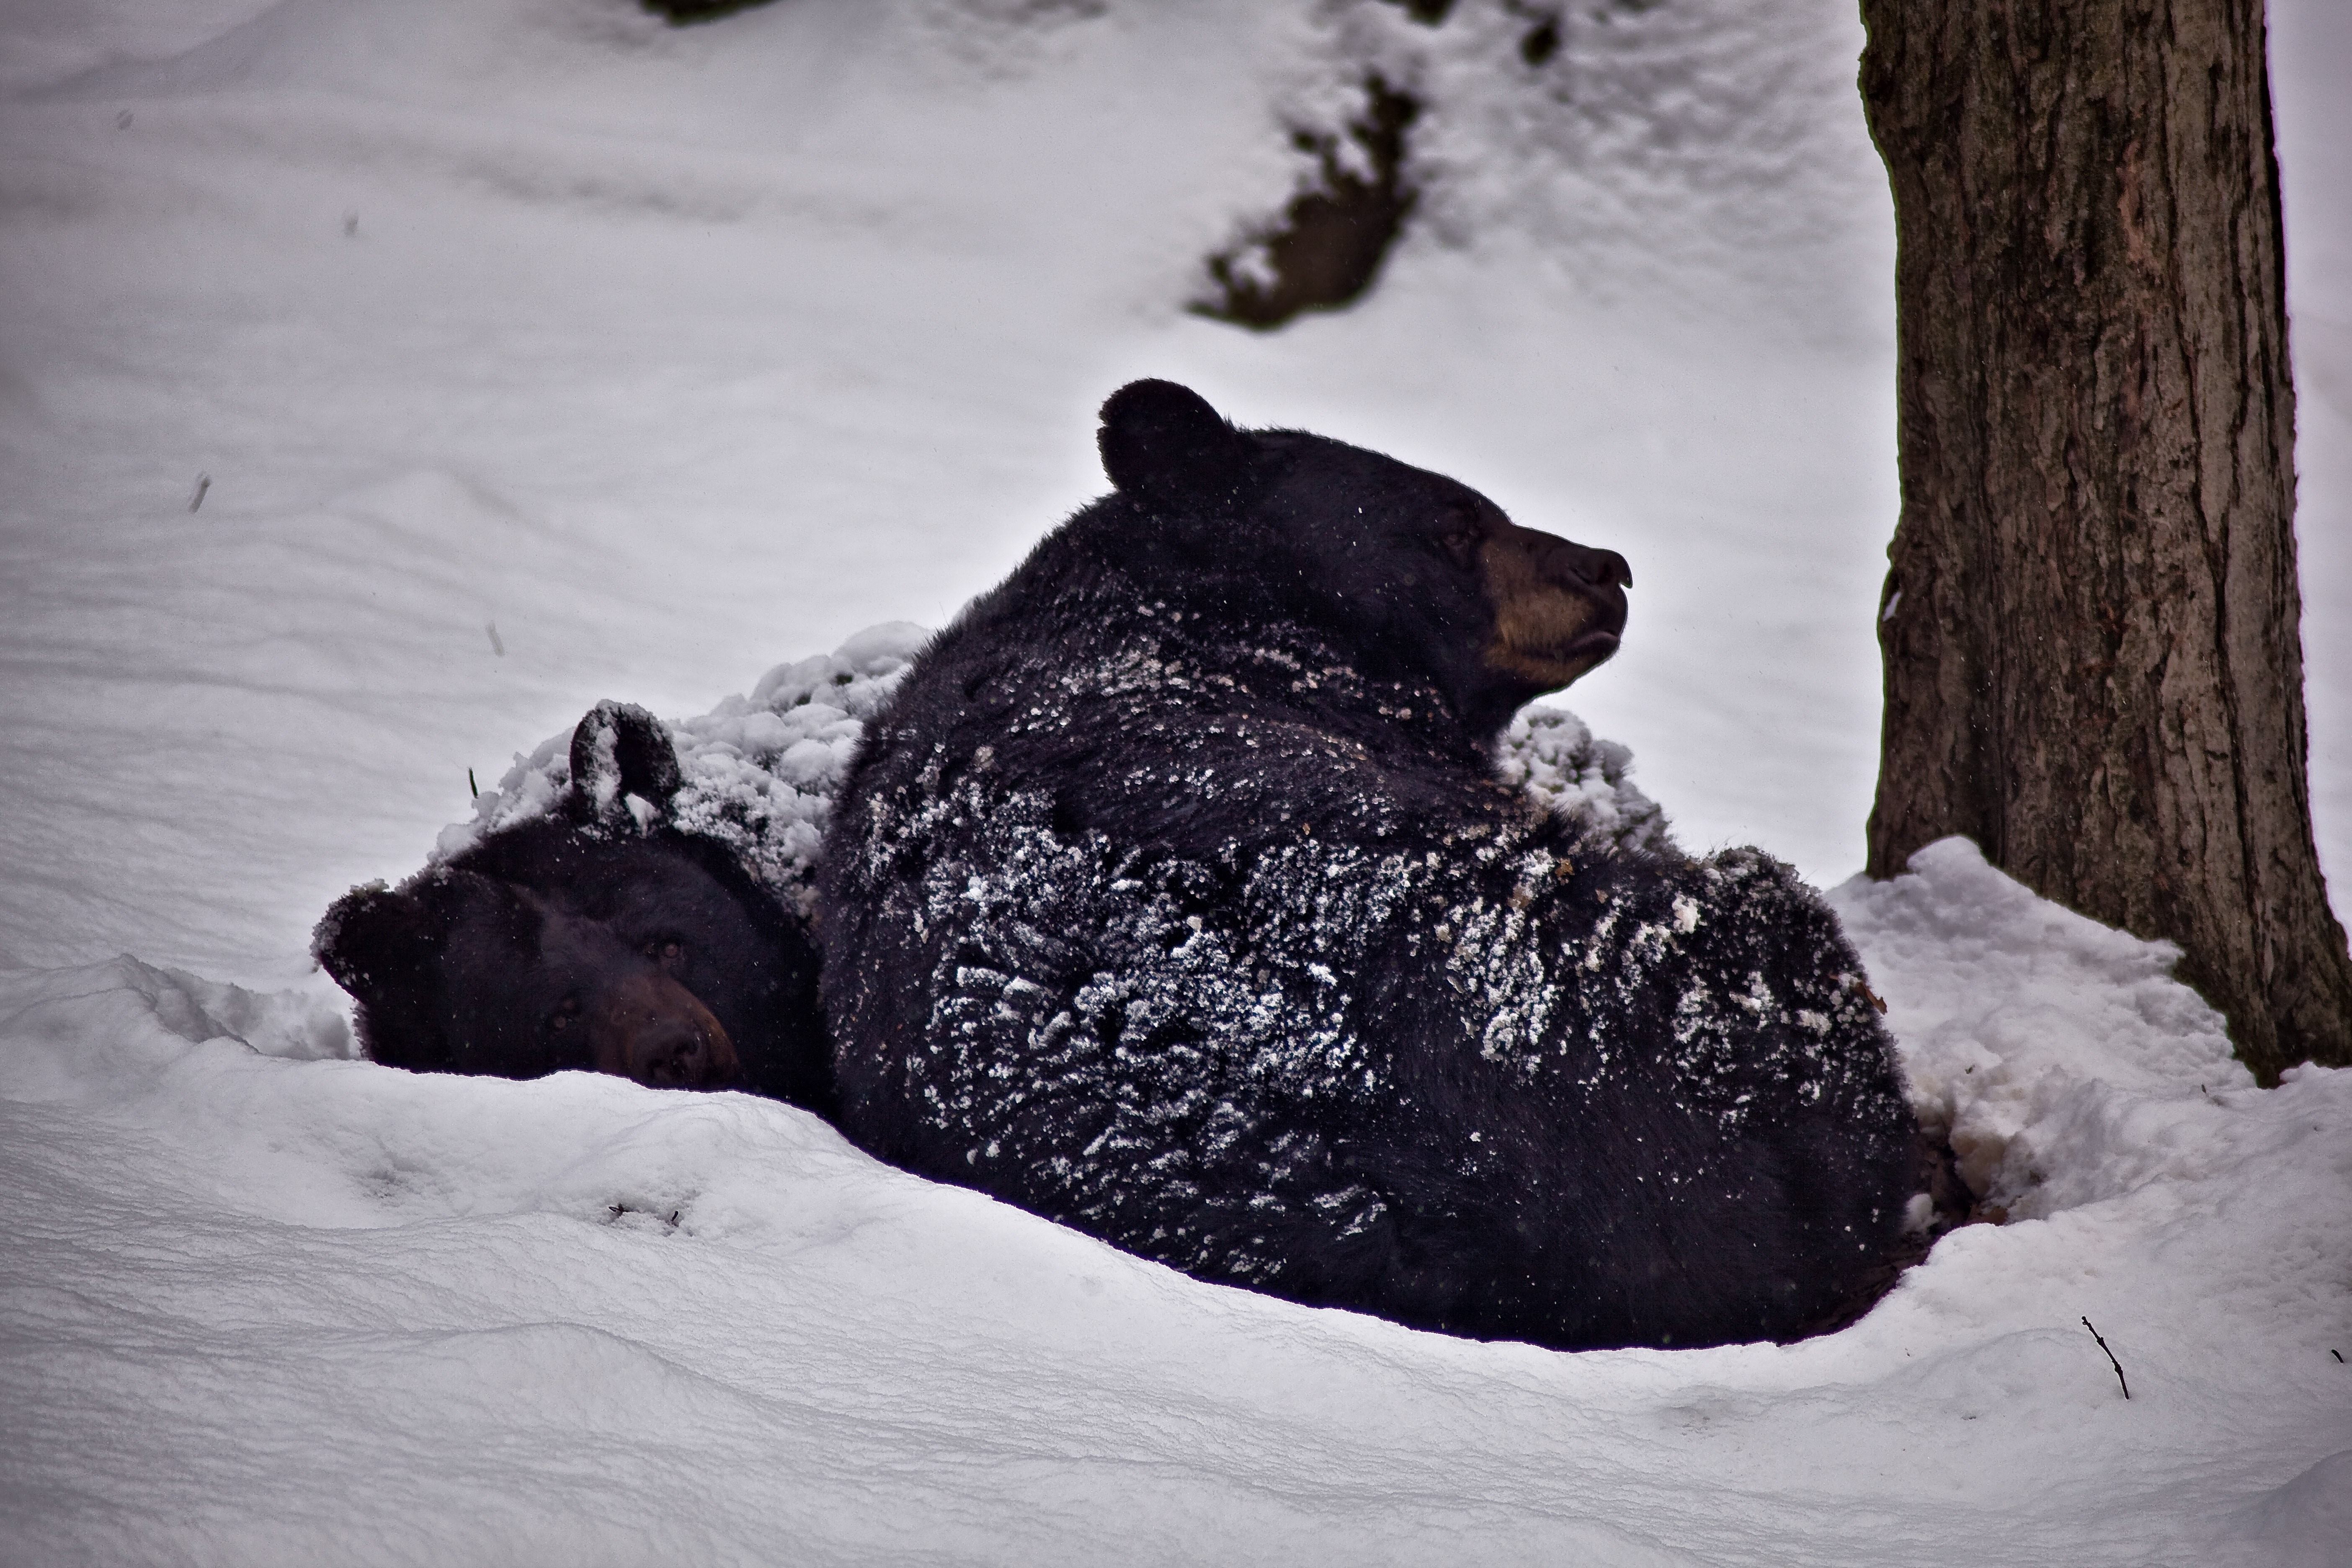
[{"x": 1327, "y": 247}]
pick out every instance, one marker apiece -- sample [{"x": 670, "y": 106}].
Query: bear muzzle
[
  {"x": 650, "y": 1028},
  {"x": 1560, "y": 606}
]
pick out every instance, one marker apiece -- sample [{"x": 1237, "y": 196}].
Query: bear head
[
  {"x": 459, "y": 972},
  {"x": 1420, "y": 572},
  {"x": 598, "y": 937}
]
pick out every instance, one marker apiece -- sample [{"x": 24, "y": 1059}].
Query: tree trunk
[{"x": 2090, "y": 626}]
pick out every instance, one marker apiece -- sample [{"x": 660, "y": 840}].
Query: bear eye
[
  {"x": 668, "y": 952},
  {"x": 1460, "y": 541},
  {"x": 566, "y": 1013}
]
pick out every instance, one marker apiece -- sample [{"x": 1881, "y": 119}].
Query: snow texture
[
  {"x": 760, "y": 771},
  {"x": 661, "y": 351},
  {"x": 1551, "y": 753}
]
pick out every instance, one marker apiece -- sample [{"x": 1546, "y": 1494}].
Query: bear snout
[
  {"x": 1560, "y": 606},
  {"x": 650, "y": 1028},
  {"x": 1593, "y": 568},
  {"x": 1600, "y": 576}
]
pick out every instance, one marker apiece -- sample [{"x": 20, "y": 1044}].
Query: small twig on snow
[
  {"x": 2338, "y": 1354},
  {"x": 471, "y": 787},
  {"x": 203, "y": 483},
  {"x": 2111, "y": 1359}
]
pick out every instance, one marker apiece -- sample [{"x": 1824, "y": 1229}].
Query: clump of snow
[
  {"x": 298, "y": 1026},
  {"x": 760, "y": 771},
  {"x": 1551, "y": 754}
]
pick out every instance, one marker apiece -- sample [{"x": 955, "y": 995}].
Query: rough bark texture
[{"x": 2090, "y": 628}]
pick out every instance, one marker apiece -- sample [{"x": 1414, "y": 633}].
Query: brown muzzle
[
  {"x": 650, "y": 1028},
  {"x": 1560, "y": 606}
]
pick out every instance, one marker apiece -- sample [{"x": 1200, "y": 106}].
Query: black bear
[
  {"x": 600, "y": 937},
  {"x": 1173, "y": 896}
]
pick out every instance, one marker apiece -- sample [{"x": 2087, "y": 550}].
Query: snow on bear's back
[{"x": 760, "y": 771}]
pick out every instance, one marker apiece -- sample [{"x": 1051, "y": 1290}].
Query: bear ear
[
  {"x": 620, "y": 750},
  {"x": 1161, "y": 441},
  {"x": 373, "y": 939}
]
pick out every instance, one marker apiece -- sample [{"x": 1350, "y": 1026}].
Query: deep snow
[{"x": 536, "y": 353}]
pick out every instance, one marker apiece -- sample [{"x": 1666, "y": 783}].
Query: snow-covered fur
[
  {"x": 615, "y": 810},
  {"x": 757, "y": 774},
  {"x": 1174, "y": 895}
]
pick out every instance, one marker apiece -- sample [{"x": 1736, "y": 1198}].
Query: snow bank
[
  {"x": 2025, "y": 1024},
  {"x": 265, "y": 1308},
  {"x": 1706, "y": 142}
]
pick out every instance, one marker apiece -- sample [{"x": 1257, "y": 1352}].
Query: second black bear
[
  {"x": 1173, "y": 896},
  {"x": 599, "y": 937}
]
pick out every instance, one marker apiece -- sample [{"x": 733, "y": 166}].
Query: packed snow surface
[{"x": 384, "y": 382}]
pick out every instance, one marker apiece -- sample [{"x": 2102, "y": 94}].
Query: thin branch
[{"x": 2111, "y": 1359}]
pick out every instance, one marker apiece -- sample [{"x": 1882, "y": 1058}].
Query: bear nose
[
  {"x": 1596, "y": 568},
  {"x": 1600, "y": 573},
  {"x": 673, "y": 1055},
  {"x": 656, "y": 1031}
]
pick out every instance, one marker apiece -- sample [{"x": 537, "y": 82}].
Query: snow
[
  {"x": 537, "y": 353},
  {"x": 760, "y": 771}
]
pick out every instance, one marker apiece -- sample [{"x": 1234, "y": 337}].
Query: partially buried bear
[
  {"x": 1173, "y": 896},
  {"x": 597, "y": 936}
]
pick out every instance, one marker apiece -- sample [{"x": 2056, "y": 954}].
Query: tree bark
[{"x": 2090, "y": 624}]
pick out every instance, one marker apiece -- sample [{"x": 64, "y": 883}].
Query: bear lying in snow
[
  {"x": 619, "y": 848},
  {"x": 1174, "y": 896},
  {"x": 599, "y": 936}
]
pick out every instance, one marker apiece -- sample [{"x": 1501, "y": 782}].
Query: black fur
[
  {"x": 1173, "y": 897},
  {"x": 501, "y": 960}
]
